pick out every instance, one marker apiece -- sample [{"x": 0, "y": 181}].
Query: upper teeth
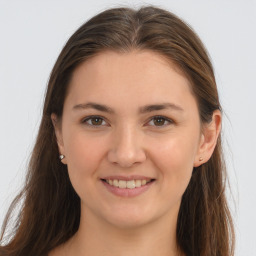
[{"x": 127, "y": 184}]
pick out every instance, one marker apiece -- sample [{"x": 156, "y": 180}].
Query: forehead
[
  {"x": 138, "y": 61},
  {"x": 135, "y": 77}
]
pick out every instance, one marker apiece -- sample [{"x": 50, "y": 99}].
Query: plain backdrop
[{"x": 32, "y": 34}]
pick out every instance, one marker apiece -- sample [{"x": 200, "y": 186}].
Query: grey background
[{"x": 34, "y": 32}]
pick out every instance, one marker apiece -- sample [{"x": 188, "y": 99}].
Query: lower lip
[{"x": 127, "y": 192}]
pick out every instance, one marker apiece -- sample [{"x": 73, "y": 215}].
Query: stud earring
[
  {"x": 200, "y": 159},
  {"x": 61, "y": 157}
]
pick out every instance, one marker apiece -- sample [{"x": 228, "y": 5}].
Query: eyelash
[{"x": 84, "y": 121}]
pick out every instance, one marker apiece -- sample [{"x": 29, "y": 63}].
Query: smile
[
  {"x": 130, "y": 184},
  {"x": 127, "y": 186}
]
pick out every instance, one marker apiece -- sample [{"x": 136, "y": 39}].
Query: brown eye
[
  {"x": 94, "y": 121},
  {"x": 160, "y": 121}
]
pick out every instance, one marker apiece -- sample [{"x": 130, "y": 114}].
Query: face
[{"x": 132, "y": 118}]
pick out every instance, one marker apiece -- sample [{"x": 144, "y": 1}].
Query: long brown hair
[{"x": 50, "y": 212}]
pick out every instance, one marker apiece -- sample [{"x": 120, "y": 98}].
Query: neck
[{"x": 97, "y": 238}]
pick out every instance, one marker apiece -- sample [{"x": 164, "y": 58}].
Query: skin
[{"x": 125, "y": 143}]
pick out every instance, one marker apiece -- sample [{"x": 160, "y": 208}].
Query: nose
[{"x": 127, "y": 148}]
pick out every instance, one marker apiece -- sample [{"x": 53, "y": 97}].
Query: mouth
[{"x": 128, "y": 184}]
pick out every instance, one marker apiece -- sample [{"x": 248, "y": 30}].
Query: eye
[
  {"x": 94, "y": 121},
  {"x": 97, "y": 121},
  {"x": 160, "y": 121}
]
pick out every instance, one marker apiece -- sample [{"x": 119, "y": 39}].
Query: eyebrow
[{"x": 142, "y": 110}]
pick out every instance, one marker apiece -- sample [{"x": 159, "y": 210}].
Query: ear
[
  {"x": 58, "y": 134},
  {"x": 208, "y": 139}
]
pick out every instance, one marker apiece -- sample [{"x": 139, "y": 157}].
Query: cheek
[
  {"x": 83, "y": 154},
  {"x": 176, "y": 151},
  {"x": 174, "y": 159}
]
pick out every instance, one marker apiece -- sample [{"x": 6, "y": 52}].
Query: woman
[{"x": 128, "y": 159}]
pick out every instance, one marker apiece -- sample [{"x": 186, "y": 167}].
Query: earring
[
  {"x": 61, "y": 157},
  {"x": 200, "y": 159}
]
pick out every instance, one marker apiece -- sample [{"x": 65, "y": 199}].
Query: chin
[{"x": 130, "y": 219}]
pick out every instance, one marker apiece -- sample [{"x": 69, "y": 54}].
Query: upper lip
[{"x": 131, "y": 177}]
